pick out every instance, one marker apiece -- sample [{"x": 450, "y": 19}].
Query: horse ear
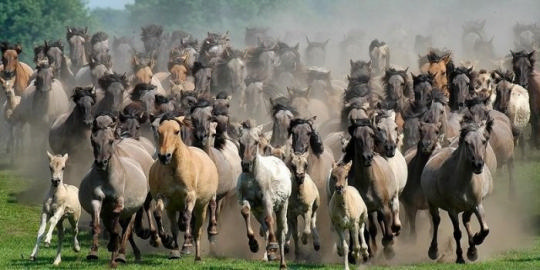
[
  {"x": 312, "y": 119},
  {"x": 143, "y": 117},
  {"x": 347, "y": 167},
  {"x": 352, "y": 63},
  {"x": 469, "y": 70},
  {"x": 18, "y": 48},
  {"x": 297, "y": 46},
  {"x": 68, "y": 29},
  {"x": 513, "y": 54},
  {"x": 307, "y": 40},
  {"x": 406, "y": 69},
  {"x": 531, "y": 54},
  {"x": 46, "y": 43},
  {"x": 259, "y": 129},
  {"x": 65, "y": 157},
  {"x": 86, "y": 30},
  {"x": 50, "y": 155}
]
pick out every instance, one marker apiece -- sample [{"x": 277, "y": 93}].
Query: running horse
[{"x": 11, "y": 66}]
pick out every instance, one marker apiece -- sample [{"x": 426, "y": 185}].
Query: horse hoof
[
  {"x": 77, "y": 248},
  {"x": 283, "y": 266},
  {"x": 433, "y": 253},
  {"x": 272, "y": 257},
  {"x": 213, "y": 230},
  {"x": 272, "y": 247},
  {"x": 352, "y": 259},
  {"x": 253, "y": 245},
  {"x": 47, "y": 244},
  {"x": 478, "y": 238},
  {"x": 472, "y": 254},
  {"x": 155, "y": 241},
  {"x": 92, "y": 256},
  {"x": 114, "y": 264},
  {"x": 121, "y": 258},
  {"x": 32, "y": 258},
  {"x": 460, "y": 260},
  {"x": 212, "y": 238},
  {"x": 174, "y": 255},
  {"x": 316, "y": 246}
]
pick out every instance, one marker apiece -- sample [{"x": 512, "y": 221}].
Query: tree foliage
[{"x": 29, "y": 22}]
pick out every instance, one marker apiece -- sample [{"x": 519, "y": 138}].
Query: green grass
[{"x": 19, "y": 224}]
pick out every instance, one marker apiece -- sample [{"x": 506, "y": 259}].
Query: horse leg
[
  {"x": 289, "y": 233},
  {"x": 136, "y": 250},
  {"x": 282, "y": 229},
  {"x": 173, "y": 245},
  {"x": 167, "y": 240},
  {"x": 396, "y": 223},
  {"x": 127, "y": 227},
  {"x": 363, "y": 243},
  {"x": 373, "y": 233},
  {"x": 200, "y": 214},
  {"x": 342, "y": 247},
  {"x": 213, "y": 206},
  {"x": 436, "y": 219},
  {"x": 410, "y": 212},
  {"x": 511, "y": 184},
  {"x": 116, "y": 227},
  {"x": 41, "y": 232},
  {"x": 60, "y": 231},
  {"x": 315, "y": 231},
  {"x": 355, "y": 243},
  {"x": 480, "y": 214},
  {"x": 388, "y": 236},
  {"x": 74, "y": 222},
  {"x": 293, "y": 230},
  {"x": 185, "y": 222},
  {"x": 246, "y": 214},
  {"x": 53, "y": 221},
  {"x": 457, "y": 236},
  {"x": 272, "y": 245},
  {"x": 145, "y": 210},
  {"x": 307, "y": 226},
  {"x": 96, "y": 230},
  {"x": 472, "y": 253}
]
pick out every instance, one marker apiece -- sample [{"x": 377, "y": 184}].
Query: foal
[{"x": 61, "y": 202}]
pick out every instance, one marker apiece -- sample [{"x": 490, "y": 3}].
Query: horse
[
  {"x": 460, "y": 171},
  {"x": 307, "y": 105},
  {"x": 316, "y": 52},
  {"x": 386, "y": 142},
  {"x": 485, "y": 87},
  {"x": 203, "y": 78},
  {"x": 264, "y": 188},
  {"x": 398, "y": 85},
  {"x": 77, "y": 39},
  {"x": 70, "y": 132},
  {"x": 373, "y": 177},
  {"x": 114, "y": 189},
  {"x": 460, "y": 87},
  {"x": 111, "y": 95},
  {"x": 282, "y": 114},
  {"x": 130, "y": 125},
  {"x": 254, "y": 102},
  {"x": 229, "y": 73},
  {"x": 99, "y": 44},
  {"x": 97, "y": 67},
  {"x": 472, "y": 32},
  {"x": 121, "y": 51},
  {"x": 253, "y": 35},
  {"x": 437, "y": 63},
  {"x": 187, "y": 179},
  {"x": 11, "y": 66},
  {"x": 13, "y": 116},
  {"x": 225, "y": 155},
  {"x": 213, "y": 46},
  {"x": 261, "y": 62},
  {"x": 54, "y": 51},
  {"x": 151, "y": 36}
]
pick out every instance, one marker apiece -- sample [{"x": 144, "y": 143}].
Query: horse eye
[
  {"x": 63, "y": 168},
  {"x": 177, "y": 132}
]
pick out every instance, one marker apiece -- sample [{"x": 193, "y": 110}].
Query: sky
[{"x": 116, "y": 4}]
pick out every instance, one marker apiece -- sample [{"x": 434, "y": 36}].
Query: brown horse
[
  {"x": 373, "y": 177},
  {"x": 187, "y": 179},
  {"x": 456, "y": 180},
  {"x": 12, "y": 65},
  {"x": 436, "y": 63},
  {"x": 78, "y": 41}
]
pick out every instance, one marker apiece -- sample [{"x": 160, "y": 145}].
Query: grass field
[{"x": 19, "y": 224}]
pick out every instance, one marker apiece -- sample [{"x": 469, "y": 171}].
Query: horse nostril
[{"x": 168, "y": 155}]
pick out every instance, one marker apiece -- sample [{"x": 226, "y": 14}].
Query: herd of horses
[{"x": 173, "y": 129}]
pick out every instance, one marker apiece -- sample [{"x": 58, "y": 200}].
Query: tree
[{"x": 29, "y": 22}]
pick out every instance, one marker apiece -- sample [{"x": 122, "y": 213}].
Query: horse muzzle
[
  {"x": 165, "y": 159},
  {"x": 55, "y": 182},
  {"x": 390, "y": 150},
  {"x": 101, "y": 164},
  {"x": 247, "y": 166},
  {"x": 300, "y": 177},
  {"x": 340, "y": 189},
  {"x": 478, "y": 166}
]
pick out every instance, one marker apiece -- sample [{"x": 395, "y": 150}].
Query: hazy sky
[{"x": 116, "y": 4}]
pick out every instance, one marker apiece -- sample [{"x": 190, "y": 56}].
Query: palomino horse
[
  {"x": 114, "y": 189},
  {"x": 12, "y": 66},
  {"x": 187, "y": 179},
  {"x": 453, "y": 172},
  {"x": 373, "y": 177},
  {"x": 436, "y": 63},
  {"x": 263, "y": 188},
  {"x": 77, "y": 39}
]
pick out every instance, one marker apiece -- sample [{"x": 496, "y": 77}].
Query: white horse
[{"x": 263, "y": 188}]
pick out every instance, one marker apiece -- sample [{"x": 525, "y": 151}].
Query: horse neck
[
  {"x": 462, "y": 166},
  {"x": 22, "y": 78},
  {"x": 181, "y": 153},
  {"x": 75, "y": 120},
  {"x": 12, "y": 101}
]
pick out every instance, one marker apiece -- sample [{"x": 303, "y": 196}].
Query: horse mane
[
  {"x": 423, "y": 77},
  {"x": 80, "y": 92},
  {"x": 54, "y": 44},
  {"x": 179, "y": 34},
  {"x": 151, "y": 31},
  {"x": 98, "y": 37},
  {"x": 376, "y": 43},
  {"x": 282, "y": 104},
  {"x": 435, "y": 56},
  {"x": 248, "y": 124},
  {"x": 196, "y": 67},
  {"x": 135, "y": 110},
  {"x": 76, "y": 31},
  {"x": 379, "y": 114},
  {"x": 37, "y": 50},
  {"x": 109, "y": 79},
  {"x": 523, "y": 53},
  {"x": 202, "y": 102},
  {"x": 315, "y": 140},
  {"x": 473, "y": 120},
  {"x": 160, "y": 99},
  {"x": 139, "y": 90}
]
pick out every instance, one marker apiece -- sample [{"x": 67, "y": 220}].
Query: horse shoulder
[
  {"x": 382, "y": 175},
  {"x": 206, "y": 172},
  {"x": 135, "y": 185},
  {"x": 161, "y": 180}
]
